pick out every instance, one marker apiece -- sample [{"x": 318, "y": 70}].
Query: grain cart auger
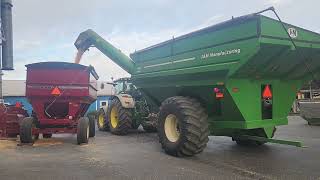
[{"x": 238, "y": 78}]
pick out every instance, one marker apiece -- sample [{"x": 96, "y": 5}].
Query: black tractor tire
[
  {"x": 253, "y": 143},
  {"x": 149, "y": 128},
  {"x": 92, "y": 126},
  {"x": 26, "y": 131},
  {"x": 47, "y": 136},
  {"x": 123, "y": 118},
  {"x": 192, "y": 124},
  {"x": 102, "y": 122},
  {"x": 83, "y": 130}
]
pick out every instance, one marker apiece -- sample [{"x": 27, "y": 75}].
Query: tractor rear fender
[{"x": 126, "y": 100}]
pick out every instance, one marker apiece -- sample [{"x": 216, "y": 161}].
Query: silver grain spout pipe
[
  {"x": 1, "y": 39},
  {"x": 7, "y": 39}
]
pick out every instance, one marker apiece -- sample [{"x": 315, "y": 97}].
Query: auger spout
[{"x": 90, "y": 38}]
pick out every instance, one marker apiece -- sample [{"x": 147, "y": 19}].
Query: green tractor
[{"x": 127, "y": 109}]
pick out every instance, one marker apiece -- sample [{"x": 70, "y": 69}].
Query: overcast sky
[{"x": 45, "y": 30}]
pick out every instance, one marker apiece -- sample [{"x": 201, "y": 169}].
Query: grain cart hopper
[
  {"x": 60, "y": 94},
  {"x": 134, "y": 106},
  {"x": 238, "y": 78}
]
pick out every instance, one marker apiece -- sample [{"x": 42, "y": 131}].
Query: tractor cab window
[
  {"x": 118, "y": 88},
  {"x": 124, "y": 87},
  {"x": 128, "y": 86},
  {"x": 132, "y": 87}
]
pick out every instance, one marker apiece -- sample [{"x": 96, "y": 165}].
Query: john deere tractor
[{"x": 127, "y": 109}]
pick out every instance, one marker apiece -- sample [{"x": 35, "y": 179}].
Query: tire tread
[
  {"x": 194, "y": 124},
  {"x": 124, "y": 116}
]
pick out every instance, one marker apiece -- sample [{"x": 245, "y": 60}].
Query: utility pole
[
  {"x": 6, "y": 41},
  {"x": 1, "y": 42}
]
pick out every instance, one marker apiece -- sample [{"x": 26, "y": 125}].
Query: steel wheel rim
[
  {"x": 114, "y": 117},
  {"x": 88, "y": 132},
  {"x": 101, "y": 120},
  {"x": 171, "y": 128}
]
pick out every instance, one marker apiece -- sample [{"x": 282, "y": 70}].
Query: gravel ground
[{"x": 139, "y": 156}]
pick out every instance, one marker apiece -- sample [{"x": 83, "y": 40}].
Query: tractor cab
[{"x": 125, "y": 86}]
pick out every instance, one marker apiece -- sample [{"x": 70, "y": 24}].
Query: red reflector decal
[
  {"x": 18, "y": 104},
  {"x": 219, "y": 95},
  {"x": 216, "y": 90},
  {"x": 56, "y": 91},
  {"x": 267, "y": 92}
]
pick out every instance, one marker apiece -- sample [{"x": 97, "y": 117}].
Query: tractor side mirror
[{"x": 113, "y": 84}]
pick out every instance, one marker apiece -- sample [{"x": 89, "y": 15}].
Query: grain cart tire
[
  {"x": 83, "y": 130},
  {"x": 26, "y": 131},
  {"x": 182, "y": 126},
  {"x": 47, "y": 136},
  {"x": 102, "y": 122},
  {"x": 120, "y": 118},
  {"x": 253, "y": 143},
  {"x": 92, "y": 126}
]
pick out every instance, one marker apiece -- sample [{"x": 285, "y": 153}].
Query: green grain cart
[{"x": 238, "y": 78}]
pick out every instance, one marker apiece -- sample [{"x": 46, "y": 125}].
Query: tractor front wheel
[
  {"x": 120, "y": 118},
  {"x": 83, "y": 130},
  {"x": 182, "y": 126},
  {"x": 26, "y": 135},
  {"x": 101, "y": 122}
]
